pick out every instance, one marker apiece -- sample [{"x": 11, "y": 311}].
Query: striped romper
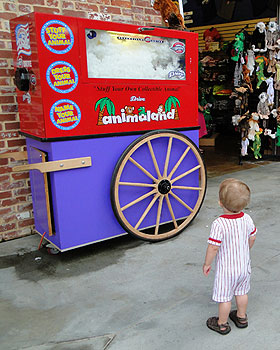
[{"x": 233, "y": 266}]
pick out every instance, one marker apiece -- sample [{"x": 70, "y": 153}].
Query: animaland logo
[{"x": 128, "y": 114}]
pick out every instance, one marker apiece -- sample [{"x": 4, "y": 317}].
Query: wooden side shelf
[{"x": 208, "y": 141}]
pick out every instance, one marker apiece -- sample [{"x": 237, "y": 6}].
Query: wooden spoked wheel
[{"x": 158, "y": 185}]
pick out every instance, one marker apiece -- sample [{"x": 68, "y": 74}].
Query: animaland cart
[{"x": 109, "y": 112}]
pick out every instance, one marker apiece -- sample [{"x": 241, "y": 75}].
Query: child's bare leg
[
  {"x": 224, "y": 310},
  {"x": 241, "y": 303}
]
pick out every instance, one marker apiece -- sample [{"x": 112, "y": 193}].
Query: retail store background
[{"x": 16, "y": 218}]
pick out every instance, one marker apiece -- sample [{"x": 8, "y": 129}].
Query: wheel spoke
[
  {"x": 188, "y": 188},
  {"x": 146, "y": 211},
  {"x": 186, "y": 173},
  {"x": 143, "y": 169},
  {"x": 137, "y": 184},
  {"x": 181, "y": 201},
  {"x": 139, "y": 199},
  {"x": 158, "y": 214},
  {"x": 178, "y": 163},
  {"x": 171, "y": 210},
  {"x": 154, "y": 159},
  {"x": 167, "y": 156}
]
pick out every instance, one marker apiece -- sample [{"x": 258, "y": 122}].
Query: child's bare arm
[
  {"x": 210, "y": 255},
  {"x": 251, "y": 241}
]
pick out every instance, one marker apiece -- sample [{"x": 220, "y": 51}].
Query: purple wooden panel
[{"x": 81, "y": 197}]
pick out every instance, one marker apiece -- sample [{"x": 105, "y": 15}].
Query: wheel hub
[{"x": 164, "y": 186}]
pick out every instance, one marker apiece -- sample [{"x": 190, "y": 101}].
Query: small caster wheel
[{"x": 52, "y": 250}]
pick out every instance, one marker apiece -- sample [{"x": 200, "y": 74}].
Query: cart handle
[
  {"x": 56, "y": 165},
  {"x": 143, "y": 29},
  {"x": 15, "y": 155}
]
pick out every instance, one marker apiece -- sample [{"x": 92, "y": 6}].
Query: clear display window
[{"x": 119, "y": 55}]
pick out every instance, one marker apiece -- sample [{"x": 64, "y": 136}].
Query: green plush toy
[
  {"x": 261, "y": 61},
  {"x": 238, "y": 46},
  {"x": 207, "y": 116},
  {"x": 257, "y": 145},
  {"x": 207, "y": 111},
  {"x": 278, "y": 136}
]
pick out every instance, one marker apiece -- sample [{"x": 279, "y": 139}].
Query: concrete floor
[{"x": 125, "y": 294}]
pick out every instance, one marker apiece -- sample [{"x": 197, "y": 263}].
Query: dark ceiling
[{"x": 222, "y": 11}]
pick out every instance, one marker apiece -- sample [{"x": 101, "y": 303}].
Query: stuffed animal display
[{"x": 254, "y": 76}]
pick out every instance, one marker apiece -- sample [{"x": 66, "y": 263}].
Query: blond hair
[{"x": 234, "y": 195}]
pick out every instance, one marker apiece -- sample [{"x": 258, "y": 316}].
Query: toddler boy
[{"x": 231, "y": 237}]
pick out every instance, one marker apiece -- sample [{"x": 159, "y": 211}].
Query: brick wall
[{"x": 16, "y": 219}]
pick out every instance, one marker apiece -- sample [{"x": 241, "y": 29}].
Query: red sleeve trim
[
  {"x": 214, "y": 240},
  {"x": 253, "y": 231}
]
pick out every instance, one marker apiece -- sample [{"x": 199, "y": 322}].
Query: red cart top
[{"x": 79, "y": 77}]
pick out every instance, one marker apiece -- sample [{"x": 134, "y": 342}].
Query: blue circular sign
[
  {"x": 57, "y": 37},
  {"x": 65, "y": 112},
  {"x": 62, "y": 77}
]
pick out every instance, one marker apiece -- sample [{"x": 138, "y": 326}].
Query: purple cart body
[{"x": 80, "y": 198}]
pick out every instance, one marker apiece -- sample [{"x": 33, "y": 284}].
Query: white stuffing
[{"x": 109, "y": 57}]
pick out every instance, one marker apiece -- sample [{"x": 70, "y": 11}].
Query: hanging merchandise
[
  {"x": 277, "y": 77},
  {"x": 244, "y": 146},
  {"x": 238, "y": 46},
  {"x": 259, "y": 38},
  {"x": 270, "y": 91},
  {"x": 257, "y": 122},
  {"x": 261, "y": 63},
  {"x": 272, "y": 35},
  {"x": 250, "y": 61},
  {"x": 272, "y": 125},
  {"x": 262, "y": 107},
  {"x": 253, "y": 126},
  {"x": 209, "y": 36},
  {"x": 246, "y": 77},
  {"x": 278, "y": 136},
  {"x": 257, "y": 145}
]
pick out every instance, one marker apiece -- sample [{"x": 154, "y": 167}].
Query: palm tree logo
[
  {"x": 172, "y": 101},
  {"x": 103, "y": 103}
]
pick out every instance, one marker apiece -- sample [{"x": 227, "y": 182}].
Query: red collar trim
[{"x": 233, "y": 216}]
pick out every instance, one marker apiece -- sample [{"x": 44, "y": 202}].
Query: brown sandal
[
  {"x": 212, "y": 323},
  {"x": 240, "y": 322}
]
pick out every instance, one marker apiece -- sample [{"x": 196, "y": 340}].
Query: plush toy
[
  {"x": 272, "y": 125},
  {"x": 207, "y": 115},
  {"x": 209, "y": 36},
  {"x": 272, "y": 61},
  {"x": 259, "y": 38},
  {"x": 257, "y": 145},
  {"x": 253, "y": 126},
  {"x": 262, "y": 107},
  {"x": 246, "y": 77},
  {"x": 261, "y": 62},
  {"x": 244, "y": 146},
  {"x": 238, "y": 46},
  {"x": 235, "y": 119},
  {"x": 278, "y": 136},
  {"x": 270, "y": 91},
  {"x": 237, "y": 74},
  {"x": 170, "y": 14},
  {"x": 272, "y": 35},
  {"x": 277, "y": 76},
  {"x": 251, "y": 61}
]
